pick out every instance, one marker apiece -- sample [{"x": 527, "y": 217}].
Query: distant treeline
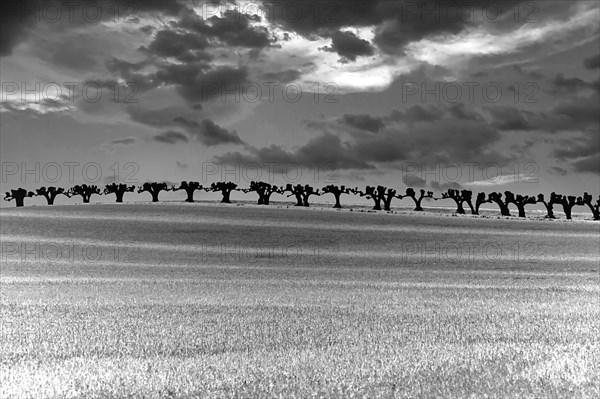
[{"x": 382, "y": 196}]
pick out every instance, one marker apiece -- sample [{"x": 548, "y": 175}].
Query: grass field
[{"x": 201, "y": 300}]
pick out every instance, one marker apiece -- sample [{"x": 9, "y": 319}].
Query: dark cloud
[
  {"x": 589, "y": 164},
  {"x": 286, "y": 76},
  {"x": 348, "y": 46},
  {"x": 158, "y": 117},
  {"x": 397, "y": 23},
  {"x": 394, "y": 34},
  {"x": 562, "y": 84},
  {"x": 186, "y": 47},
  {"x": 592, "y": 62},
  {"x": 413, "y": 181},
  {"x": 363, "y": 122},
  {"x": 582, "y": 146},
  {"x": 555, "y": 170},
  {"x": 233, "y": 29},
  {"x": 417, "y": 113},
  {"x": 441, "y": 139},
  {"x": 582, "y": 111},
  {"x": 124, "y": 141},
  {"x": 171, "y": 137},
  {"x": 129, "y": 71},
  {"x": 326, "y": 149},
  {"x": 199, "y": 83},
  {"x": 313, "y": 19},
  {"x": 508, "y": 118},
  {"x": 209, "y": 133},
  {"x": 17, "y": 16}
]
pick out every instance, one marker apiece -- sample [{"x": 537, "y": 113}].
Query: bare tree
[
  {"x": 520, "y": 201},
  {"x": 567, "y": 202},
  {"x": 154, "y": 188},
  {"x": 460, "y": 197},
  {"x": 371, "y": 193},
  {"x": 225, "y": 188},
  {"x": 388, "y": 194},
  {"x": 594, "y": 207},
  {"x": 18, "y": 195},
  {"x": 190, "y": 187},
  {"x": 118, "y": 190},
  {"x": 503, "y": 205},
  {"x": 297, "y": 191},
  {"x": 337, "y": 192},
  {"x": 264, "y": 191},
  {"x": 549, "y": 205},
  {"x": 84, "y": 191},
  {"x": 308, "y": 191},
  {"x": 411, "y": 193},
  {"x": 50, "y": 193}
]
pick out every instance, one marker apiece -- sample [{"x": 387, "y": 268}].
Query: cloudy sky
[{"x": 493, "y": 96}]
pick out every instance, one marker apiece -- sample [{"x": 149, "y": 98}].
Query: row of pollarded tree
[{"x": 380, "y": 195}]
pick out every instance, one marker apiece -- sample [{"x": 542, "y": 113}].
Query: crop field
[{"x": 210, "y": 300}]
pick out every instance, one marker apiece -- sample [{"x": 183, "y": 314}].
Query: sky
[{"x": 486, "y": 96}]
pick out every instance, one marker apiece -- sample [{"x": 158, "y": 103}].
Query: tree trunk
[
  {"x": 337, "y": 200},
  {"x": 190, "y": 196},
  {"x": 225, "y": 197},
  {"x": 377, "y": 206},
  {"x": 387, "y": 204},
  {"x": 119, "y": 195},
  {"x": 471, "y": 207},
  {"x": 567, "y": 209},
  {"x": 418, "y": 207}
]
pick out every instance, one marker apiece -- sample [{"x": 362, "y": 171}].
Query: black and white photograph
[{"x": 299, "y": 199}]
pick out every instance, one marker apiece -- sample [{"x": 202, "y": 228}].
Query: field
[{"x": 210, "y": 300}]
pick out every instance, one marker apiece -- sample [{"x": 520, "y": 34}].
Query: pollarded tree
[
  {"x": 225, "y": 188},
  {"x": 264, "y": 191},
  {"x": 460, "y": 197},
  {"x": 594, "y": 207},
  {"x": 50, "y": 193},
  {"x": 411, "y": 193},
  {"x": 118, "y": 190},
  {"x": 308, "y": 191},
  {"x": 337, "y": 192},
  {"x": 258, "y": 188},
  {"x": 297, "y": 191},
  {"x": 480, "y": 200},
  {"x": 268, "y": 191},
  {"x": 520, "y": 201},
  {"x": 503, "y": 205},
  {"x": 154, "y": 188},
  {"x": 189, "y": 187},
  {"x": 371, "y": 193},
  {"x": 387, "y": 196},
  {"x": 549, "y": 205},
  {"x": 18, "y": 195},
  {"x": 567, "y": 202},
  {"x": 84, "y": 191}
]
